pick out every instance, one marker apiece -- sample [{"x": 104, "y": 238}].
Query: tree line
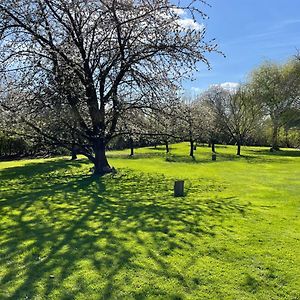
[{"x": 91, "y": 75}]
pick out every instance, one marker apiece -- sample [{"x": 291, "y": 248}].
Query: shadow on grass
[
  {"x": 256, "y": 156},
  {"x": 66, "y": 235},
  {"x": 170, "y": 157},
  {"x": 136, "y": 155},
  {"x": 162, "y": 148},
  {"x": 279, "y": 153}
]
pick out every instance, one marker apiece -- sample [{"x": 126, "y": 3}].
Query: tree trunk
[
  {"x": 213, "y": 149},
  {"x": 131, "y": 147},
  {"x": 101, "y": 165},
  {"x": 238, "y": 148},
  {"x": 191, "y": 148},
  {"x": 167, "y": 147},
  {"x": 74, "y": 154}
]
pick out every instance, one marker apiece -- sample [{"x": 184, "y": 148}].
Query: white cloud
[
  {"x": 190, "y": 24},
  {"x": 179, "y": 11},
  {"x": 182, "y": 19}
]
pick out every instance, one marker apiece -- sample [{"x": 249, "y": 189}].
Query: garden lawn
[{"x": 235, "y": 235}]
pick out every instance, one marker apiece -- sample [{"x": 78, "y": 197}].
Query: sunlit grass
[{"x": 235, "y": 235}]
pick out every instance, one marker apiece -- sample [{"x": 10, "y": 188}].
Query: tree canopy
[{"x": 83, "y": 64}]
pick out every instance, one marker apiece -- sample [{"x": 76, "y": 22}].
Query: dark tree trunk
[
  {"x": 213, "y": 149},
  {"x": 167, "y": 147},
  {"x": 131, "y": 147},
  {"x": 101, "y": 165},
  {"x": 191, "y": 148},
  {"x": 74, "y": 154},
  {"x": 209, "y": 144},
  {"x": 238, "y": 148}
]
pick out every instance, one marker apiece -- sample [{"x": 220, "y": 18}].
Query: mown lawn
[{"x": 235, "y": 235}]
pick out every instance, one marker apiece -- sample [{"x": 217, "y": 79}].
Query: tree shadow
[
  {"x": 136, "y": 155},
  {"x": 279, "y": 153},
  {"x": 66, "y": 235},
  {"x": 161, "y": 148},
  {"x": 202, "y": 158},
  {"x": 205, "y": 158}
]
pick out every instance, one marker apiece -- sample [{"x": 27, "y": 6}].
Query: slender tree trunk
[
  {"x": 167, "y": 147},
  {"x": 101, "y": 165},
  {"x": 213, "y": 149},
  {"x": 74, "y": 154},
  {"x": 238, "y": 152},
  {"x": 131, "y": 147},
  {"x": 191, "y": 147}
]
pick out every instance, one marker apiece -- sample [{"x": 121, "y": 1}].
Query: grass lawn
[{"x": 235, "y": 235}]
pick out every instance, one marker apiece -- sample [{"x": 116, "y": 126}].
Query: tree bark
[
  {"x": 191, "y": 148},
  {"x": 101, "y": 165},
  {"x": 131, "y": 147},
  {"x": 238, "y": 148},
  {"x": 167, "y": 147},
  {"x": 74, "y": 154},
  {"x": 213, "y": 149}
]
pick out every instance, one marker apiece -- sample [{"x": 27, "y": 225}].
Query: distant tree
[
  {"x": 19, "y": 140},
  {"x": 290, "y": 120},
  {"x": 237, "y": 112},
  {"x": 131, "y": 128},
  {"x": 277, "y": 89},
  {"x": 213, "y": 130},
  {"x": 163, "y": 125},
  {"x": 86, "y": 57},
  {"x": 194, "y": 121}
]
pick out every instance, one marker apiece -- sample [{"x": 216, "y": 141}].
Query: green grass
[{"x": 235, "y": 235}]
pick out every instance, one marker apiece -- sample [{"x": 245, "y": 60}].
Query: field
[{"x": 235, "y": 234}]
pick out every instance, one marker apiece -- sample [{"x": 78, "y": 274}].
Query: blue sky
[{"x": 248, "y": 32}]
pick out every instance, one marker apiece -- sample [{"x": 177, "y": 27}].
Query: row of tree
[
  {"x": 258, "y": 111},
  {"x": 88, "y": 75},
  {"x": 263, "y": 111}
]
